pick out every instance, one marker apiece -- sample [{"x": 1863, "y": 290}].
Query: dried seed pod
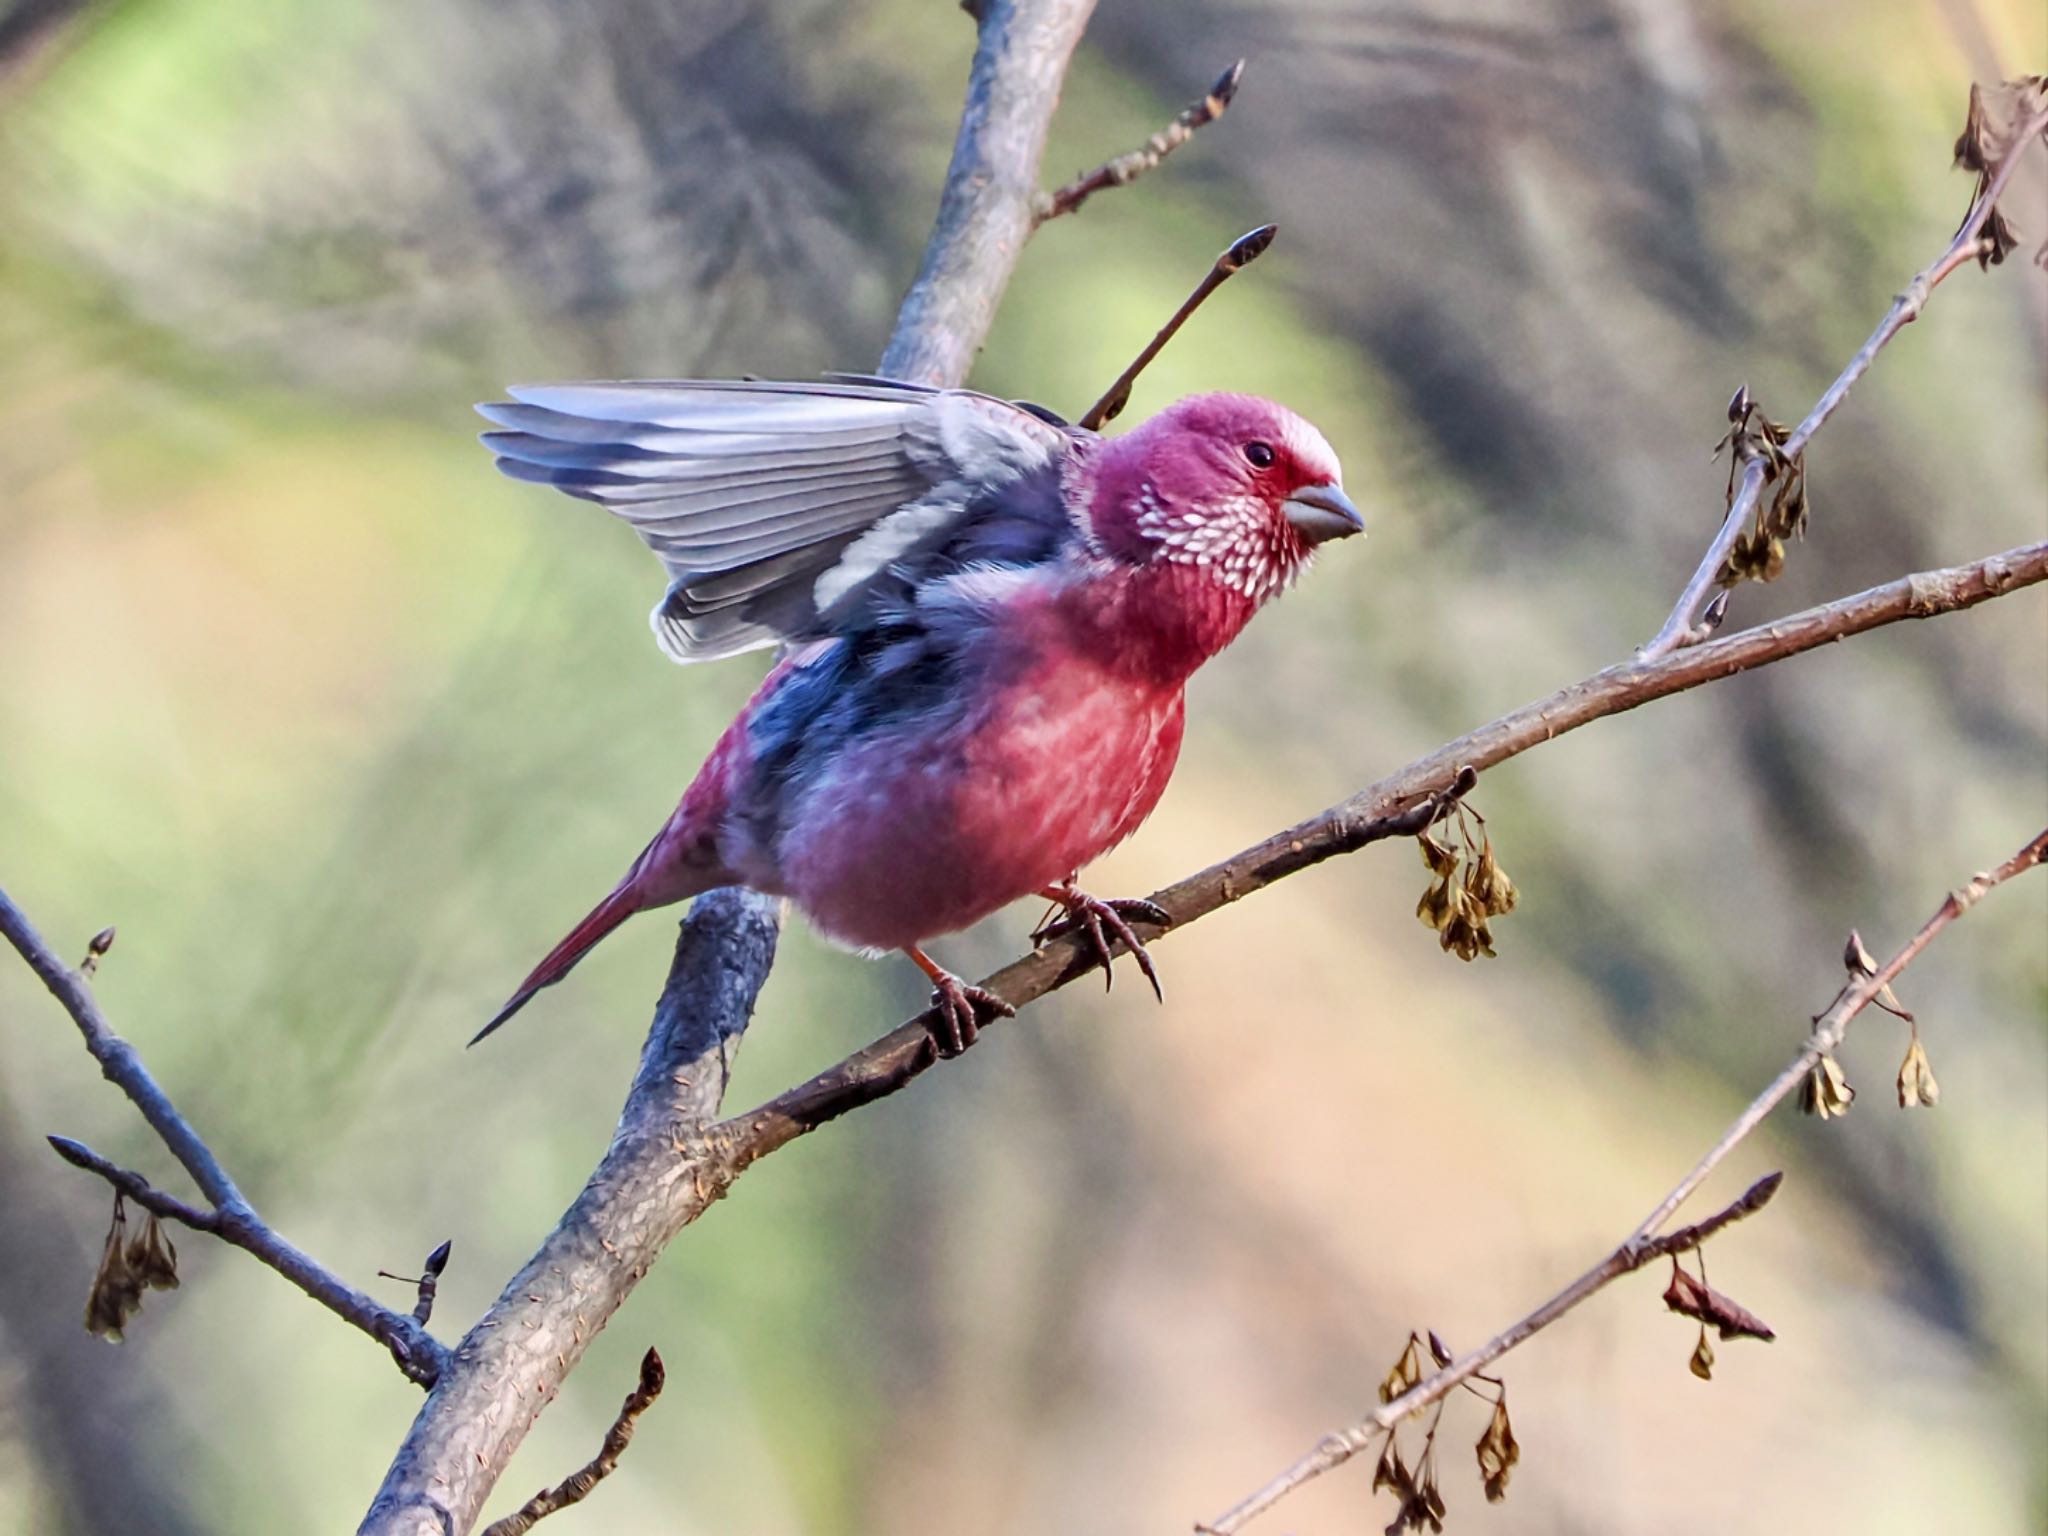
[
  {"x": 152, "y": 1257},
  {"x": 1917, "y": 1087},
  {"x": 1435, "y": 907},
  {"x": 1498, "y": 1451},
  {"x": 1702, "y": 1362},
  {"x": 1826, "y": 1091},
  {"x": 1406, "y": 1373}
]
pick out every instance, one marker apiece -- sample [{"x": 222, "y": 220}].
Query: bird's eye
[{"x": 1259, "y": 455}]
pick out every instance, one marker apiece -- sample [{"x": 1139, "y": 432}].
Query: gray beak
[{"x": 1321, "y": 512}]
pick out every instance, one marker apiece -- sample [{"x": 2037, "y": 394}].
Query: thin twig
[
  {"x": 1375, "y": 813},
  {"x": 1242, "y": 252},
  {"x": 574, "y": 1489},
  {"x": 1683, "y": 627},
  {"x": 232, "y": 1218},
  {"x": 1642, "y": 1245},
  {"x": 1127, "y": 168},
  {"x": 135, "y": 1186},
  {"x": 429, "y": 1281}
]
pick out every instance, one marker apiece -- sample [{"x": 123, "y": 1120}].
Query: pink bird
[{"x": 991, "y": 619}]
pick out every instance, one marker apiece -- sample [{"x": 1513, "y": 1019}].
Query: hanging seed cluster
[
  {"x": 1826, "y": 1091},
  {"x": 129, "y": 1266},
  {"x": 1470, "y": 888},
  {"x": 1415, "y": 1483}
]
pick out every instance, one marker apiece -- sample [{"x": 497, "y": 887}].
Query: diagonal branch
[
  {"x": 1642, "y": 1245},
  {"x": 231, "y": 1217},
  {"x": 1372, "y": 814},
  {"x": 1684, "y": 626},
  {"x": 1127, "y": 168}
]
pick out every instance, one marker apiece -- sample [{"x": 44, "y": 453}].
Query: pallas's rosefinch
[{"x": 991, "y": 619}]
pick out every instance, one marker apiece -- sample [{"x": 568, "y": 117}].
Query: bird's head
[{"x": 1236, "y": 490}]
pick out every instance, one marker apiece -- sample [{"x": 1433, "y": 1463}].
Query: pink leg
[
  {"x": 1101, "y": 919},
  {"x": 962, "y": 1009}
]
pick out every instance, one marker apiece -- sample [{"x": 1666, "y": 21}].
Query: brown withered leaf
[
  {"x": 1696, "y": 1299},
  {"x": 1498, "y": 1451},
  {"x": 1702, "y": 1362},
  {"x": 1440, "y": 860},
  {"x": 1917, "y": 1087},
  {"x": 1826, "y": 1092},
  {"x": 1407, "y": 1371}
]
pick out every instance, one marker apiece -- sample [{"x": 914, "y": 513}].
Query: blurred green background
[{"x": 342, "y": 731}]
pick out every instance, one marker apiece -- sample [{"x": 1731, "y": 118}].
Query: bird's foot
[
  {"x": 959, "y": 1008},
  {"x": 1101, "y": 920}
]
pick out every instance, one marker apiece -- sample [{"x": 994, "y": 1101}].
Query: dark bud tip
[
  {"x": 1759, "y": 1194},
  {"x": 438, "y": 1259},
  {"x": 653, "y": 1374},
  {"x": 101, "y": 942},
  {"x": 1248, "y": 248},
  {"x": 1738, "y": 405},
  {"x": 1224, "y": 91}
]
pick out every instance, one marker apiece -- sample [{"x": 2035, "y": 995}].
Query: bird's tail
[{"x": 584, "y": 937}]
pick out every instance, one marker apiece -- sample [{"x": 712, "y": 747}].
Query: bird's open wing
[{"x": 775, "y": 507}]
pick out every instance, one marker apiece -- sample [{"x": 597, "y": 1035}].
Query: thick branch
[
  {"x": 1683, "y": 627},
  {"x": 1641, "y": 1245},
  {"x": 232, "y": 1218},
  {"x": 891, "y": 1062},
  {"x": 985, "y": 212},
  {"x": 660, "y": 1173}
]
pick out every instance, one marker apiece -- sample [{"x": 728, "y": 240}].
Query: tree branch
[
  {"x": 1642, "y": 1245},
  {"x": 986, "y": 209},
  {"x": 660, "y": 1173},
  {"x": 1381, "y": 810},
  {"x": 1684, "y": 626},
  {"x": 232, "y": 1218},
  {"x": 1127, "y": 168}
]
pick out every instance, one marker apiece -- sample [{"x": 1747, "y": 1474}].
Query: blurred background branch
[
  {"x": 1997, "y": 160},
  {"x": 1830, "y": 1028},
  {"x": 230, "y": 1216}
]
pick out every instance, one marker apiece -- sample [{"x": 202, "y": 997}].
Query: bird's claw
[
  {"x": 1099, "y": 919},
  {"x": 959, "y": 1009}
]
